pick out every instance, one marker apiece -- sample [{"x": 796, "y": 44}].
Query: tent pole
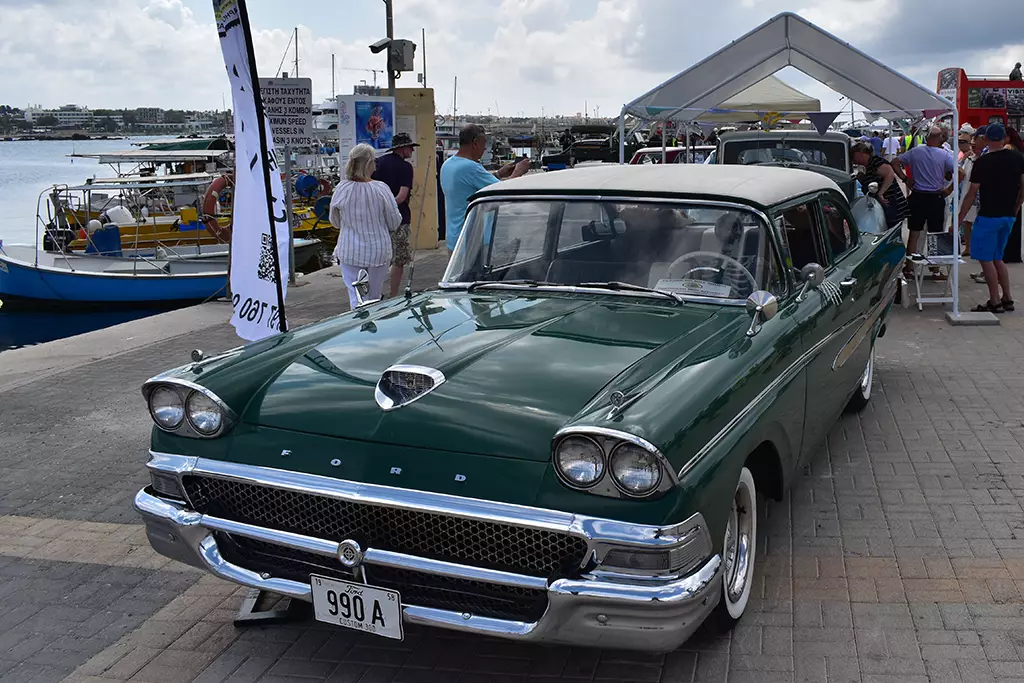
[
  {"x": 664, "y": 141},
  {"x": 622, "y": 136},
  {"x": 955, "y": 222}
]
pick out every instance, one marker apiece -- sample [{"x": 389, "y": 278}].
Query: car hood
[{"x": 517, "y": 368}]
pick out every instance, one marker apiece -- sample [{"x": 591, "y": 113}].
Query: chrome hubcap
[
  {"x": 738, "y": 544},
  {"x": 869, "y": 373}
]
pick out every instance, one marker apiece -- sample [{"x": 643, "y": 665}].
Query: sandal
[
  {"x": 988, "y": 307},
  {"x": 1007, "y": 304},
  {"x": 978, "y": 277},
  {"x": 939, "y": 277}
]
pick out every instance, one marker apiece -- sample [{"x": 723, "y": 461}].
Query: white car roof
[{"x": 765, "y": 186}]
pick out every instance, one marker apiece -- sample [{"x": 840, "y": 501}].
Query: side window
[
  {"x": 799, "y": 228},
  {"x": 839, "y": 231},
  {"x": 516, "y": 232},
  {"x": 575, "y": 218}
]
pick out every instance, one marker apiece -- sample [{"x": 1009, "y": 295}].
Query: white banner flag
[{"x": 257, "y": 291}]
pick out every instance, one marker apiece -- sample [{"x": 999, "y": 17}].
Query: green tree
[
  {"x": 174, "y": 116},
  {"x": 47, "y": 120}
]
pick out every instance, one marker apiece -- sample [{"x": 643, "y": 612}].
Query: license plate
[{"x": 357, "y": 606}]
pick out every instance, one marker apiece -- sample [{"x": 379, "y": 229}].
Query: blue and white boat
[{"x": 31, "y": 275}]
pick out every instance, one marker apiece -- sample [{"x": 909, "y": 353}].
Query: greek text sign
[{"x": 288, "y": 103}]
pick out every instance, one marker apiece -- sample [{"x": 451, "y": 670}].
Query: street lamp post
[{"x": 389, "y": 14}]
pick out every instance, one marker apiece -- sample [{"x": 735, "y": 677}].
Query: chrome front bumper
[{"x": 599, "y": 609}]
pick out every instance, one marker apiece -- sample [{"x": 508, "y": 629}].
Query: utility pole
[
  {"x": 423, "y": 46},
  {"x": 391, "y": 37}
]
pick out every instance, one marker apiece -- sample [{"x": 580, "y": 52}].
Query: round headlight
[
  {"x": 635, "y": 469},
  {"x": 580, "y": 460},
  {"x": 166, "y": 407},
  {"x": 203, "y": 413}
]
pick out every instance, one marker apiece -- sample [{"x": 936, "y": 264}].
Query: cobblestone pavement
[{"x": 897, "y": 556}]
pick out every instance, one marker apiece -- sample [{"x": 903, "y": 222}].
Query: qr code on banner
[{"x": 266, "y": 270}]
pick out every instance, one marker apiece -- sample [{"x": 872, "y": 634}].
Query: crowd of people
[
  {"x": 913, "y": 176},
  {"x": 989, "y": 163}
]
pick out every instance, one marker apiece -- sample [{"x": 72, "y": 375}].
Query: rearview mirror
[
  {"x": 762, "y": 307},
  {"x": 811, "y": 275}
]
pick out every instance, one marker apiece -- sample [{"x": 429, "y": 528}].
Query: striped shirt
[{"x": 365, "y": 213}]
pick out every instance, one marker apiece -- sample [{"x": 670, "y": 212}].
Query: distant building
[
  {"x": 370, "y": 90},
  {"x": 149, "y": 115},
  {"x": 68, "y": 116}
]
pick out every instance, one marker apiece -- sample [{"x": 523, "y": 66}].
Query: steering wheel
[{"x": 726, "y": 261}]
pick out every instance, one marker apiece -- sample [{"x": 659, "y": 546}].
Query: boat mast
[
  {"x": 333, "y": 93},
  {"x": 455, "y": 103},
  {"x": 296, "y": 52}
]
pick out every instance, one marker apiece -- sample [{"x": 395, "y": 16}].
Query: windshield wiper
[
  {"x": 484, "y": 283},
  {"x": 616, "y": 285}
]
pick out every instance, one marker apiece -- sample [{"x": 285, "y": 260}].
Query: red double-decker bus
[{"x": 981, "y": 100}]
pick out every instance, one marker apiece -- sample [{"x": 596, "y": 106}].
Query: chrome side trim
[
  {"x": 783, "y": 378},
  {"x": 594, "y": 530},
  {"x": 385, "y": 402},
  {"x": 372, "y": 556},
  {"x": 864, "y": 330}
]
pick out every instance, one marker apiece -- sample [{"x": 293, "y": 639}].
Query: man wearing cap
[
  {"x": 999, "y": 176},
  {"x": 395, "y": 171}
]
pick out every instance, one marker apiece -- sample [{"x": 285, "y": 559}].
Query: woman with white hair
[{"x": 365, "y": 212}]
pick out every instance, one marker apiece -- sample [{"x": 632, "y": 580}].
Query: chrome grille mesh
[
  {"x": 402, "y": 386},
  {"x": 417, "y": 588},
  {"x": 492, "y": 545}
]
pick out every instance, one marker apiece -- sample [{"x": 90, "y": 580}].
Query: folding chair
[{"x": 937, "y": 253}]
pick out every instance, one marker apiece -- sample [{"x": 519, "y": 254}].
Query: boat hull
[{"x": 25, "y": 282}]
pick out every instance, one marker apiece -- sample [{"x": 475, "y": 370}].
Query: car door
[{"x": 821, "y": 313}]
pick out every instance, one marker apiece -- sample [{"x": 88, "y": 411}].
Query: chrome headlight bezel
[
  {"x": 189, "y": 392},
  {"x": 608, "y": 440}
]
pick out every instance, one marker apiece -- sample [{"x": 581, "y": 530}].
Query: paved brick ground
[{"x": 898, "y": 555}]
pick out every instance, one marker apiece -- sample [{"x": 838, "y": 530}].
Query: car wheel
[
  {"x": 739, "y": 552},
  {"x": 862, "y": 394}
]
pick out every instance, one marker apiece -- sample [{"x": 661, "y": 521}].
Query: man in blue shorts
[{"x": 999, "y": 176}]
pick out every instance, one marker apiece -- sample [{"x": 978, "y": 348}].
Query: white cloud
[{"x": 509, "y": 55}]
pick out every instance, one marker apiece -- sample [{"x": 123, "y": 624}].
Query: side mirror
[
  {"x": 362, "y": 287},
  {"x": 872, "y": 189},
  {"x": 811, "y": 275},
  {"x": 762, "y": 307}
]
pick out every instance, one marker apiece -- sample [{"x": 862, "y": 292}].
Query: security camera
[{"x": 380, "y": 45}]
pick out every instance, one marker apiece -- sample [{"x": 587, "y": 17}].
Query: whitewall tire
[
  {"x": 862, "y": 394},
  {"x": 739, "y": 552}
]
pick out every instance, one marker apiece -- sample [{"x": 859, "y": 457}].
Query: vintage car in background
[
  {"x": 568, "y": 441},
  {"x": 828, "y": 154},
  {"x": 673, "y": 155}
]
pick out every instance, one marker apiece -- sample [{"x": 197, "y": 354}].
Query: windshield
[
  {"x": 822, "y": 152},
  {"x": 683, "y": 249}
]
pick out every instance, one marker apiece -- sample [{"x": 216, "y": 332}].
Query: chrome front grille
[
  {"x": 417, "y": 588},
  {"x": 532, "y": 552}
]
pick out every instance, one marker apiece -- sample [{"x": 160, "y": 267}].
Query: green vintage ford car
[{"x": 568, "y": 440}]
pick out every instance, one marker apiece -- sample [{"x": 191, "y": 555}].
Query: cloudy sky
[{"x": 510, "y": 56}]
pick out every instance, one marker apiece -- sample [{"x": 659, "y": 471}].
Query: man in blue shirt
[
  {"x": 462, "y": 176},
  {"x": 932, "y": 168},
  {"x": 876, "y": 142}
]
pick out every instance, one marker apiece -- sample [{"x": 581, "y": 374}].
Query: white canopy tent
[
  {"x": 790, "y": 40},
  {"x": 768, "y": 94}
]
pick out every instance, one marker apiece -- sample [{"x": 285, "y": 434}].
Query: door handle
[{"x": 848, "y": 283}]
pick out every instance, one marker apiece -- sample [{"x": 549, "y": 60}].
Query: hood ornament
[{"x": 401, "y": 385}]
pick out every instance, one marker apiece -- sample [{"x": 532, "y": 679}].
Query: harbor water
[{"x": 27, "y": 168}]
